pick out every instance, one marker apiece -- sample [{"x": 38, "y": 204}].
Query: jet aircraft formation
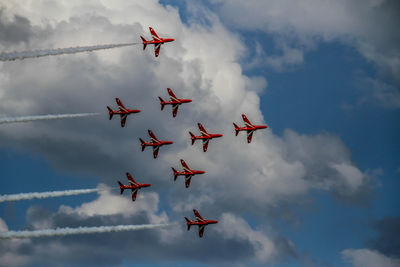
[{"x": 154, "y": 142}]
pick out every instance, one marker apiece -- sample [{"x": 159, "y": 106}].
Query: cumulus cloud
[
  {"x": 296, "y": 27},
  {"x": 368, "y": 258},
  {"x": 257, "y": 178},
  {"x": 232, "y": 234}
]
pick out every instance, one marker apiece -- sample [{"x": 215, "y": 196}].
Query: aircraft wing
[
  {"x": 246, "y": 121},
  {"x": 120, "y": 105},
  {"x": 175, "y": 110},
  {"x": 198, "y": 216},
  {"x": 205, "y": 144},
  {"x": 134, "y": 194},
  {"x": 153, "y": 137},
  {"x": 157, "y": 48},
  {"x": 201, "y": 230},
  {"x": 154, "y": 34},
  {"x": 188, "y": 178},
  {"x": 249, "y": 136},
  {"x": 172, "y": 95},
  {"x": 184, "y": 165},
  {"x": 130, "y": 178},
  {"x": 202, "y": 129},
  {"x": 123, "y": 119},
  {"x": 155, "y": 151}
]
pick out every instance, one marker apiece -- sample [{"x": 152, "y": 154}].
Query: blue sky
[{"x": 328, "y": 91}]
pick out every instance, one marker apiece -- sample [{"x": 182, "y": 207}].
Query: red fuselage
[
  {"x": 121, "y": 112},
  {"x": 255, "y": 127},
  {"x": 161, "y": 41},
  {"x": 204, "y": 222},
  {"x": 178, "y": 102},
  {"x": 160, "y": 143},
  {"x": 208, "y": 136},
  {"x": 191, "y": 172},
  {"x": 138, "y": 186}
]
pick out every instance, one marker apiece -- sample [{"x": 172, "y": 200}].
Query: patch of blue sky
[{"x": 24, "y": 172}]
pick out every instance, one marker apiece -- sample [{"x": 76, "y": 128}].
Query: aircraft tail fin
[
  {"x": 142, "y": 143},
  {"x": 192, "y": 137},
  {"x": 188, "y": 225},
  {"x": 121, "y": 187},
  {"x": 175, "y": 173},
  {"x": 236, "y": 128},
  {"x": 162, "y": 102},
  {"x": 144, "y": 42},
  {"x": 110, "y": 111}
]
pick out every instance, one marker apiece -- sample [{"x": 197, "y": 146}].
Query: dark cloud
[
  {"x": 387, "y": 242},
  {"x": 114, "y": 248},
  {"x": 265, "y": 179},
  {"x": 14, "y": 31}
]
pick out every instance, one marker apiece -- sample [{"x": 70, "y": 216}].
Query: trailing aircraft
[
  {"x": 187, "y": 172},
  {"x": 205, "y": 136},
  {"x": 249, "y": 128},
  {"x": 123, "y": 111},
  {"x": 202, "y": 223},
  {"x": 157, "y": 41},
  {"x": 134, "y": 186},
  {"x": 174, "y": 101},
  {"x": 155, "y": 143}
]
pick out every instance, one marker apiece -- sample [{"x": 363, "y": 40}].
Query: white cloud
[
  {"x": 295, "y": 27},
  {"x": 368, "y": 258},
  {"x": 233, "y": 227},
  {"x": 241, "y": 178}
]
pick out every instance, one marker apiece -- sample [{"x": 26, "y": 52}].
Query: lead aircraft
[
  {"x": 123, "y": 111},
  {"x": 202, "y": 223},
  {"x": 134, "y": 186},
  {"x": 187, "y": 172},
  {"x": 155, "y": 143},
  {"x": 174, "y": 101},
  {"x": 205, "y": 136},
  {"x": 249, "y": 128},
  {"x": 157, "y": 41}
]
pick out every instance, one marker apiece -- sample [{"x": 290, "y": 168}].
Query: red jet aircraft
[
  {"x": 250, "y": 128},
  {"x": 200, "y": 222},
  {"x": 205, "y": 136},
  {"x": 132, "y": 185},
  {"x": 174, "y": 101},
  {"x": 187, "y": 172},
  {"x": 157, "y": 41},
  {"x": 123, "y": 112},
  {"x": 155, "y": 143}
]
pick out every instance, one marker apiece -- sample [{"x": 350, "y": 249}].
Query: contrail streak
[
  {"x": 59, "y": 51},
  {"x": 44, "y": 117},
  {"x": 40, "y": 195},
  {"x": 78, "y": 230}
]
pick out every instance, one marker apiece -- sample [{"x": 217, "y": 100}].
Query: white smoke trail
[
  {"x": 41, "y": 195},
  {"x": 59, "y": 51},
  {"x": 44, "y": 117},
  {"x": 78, "y": 230}
]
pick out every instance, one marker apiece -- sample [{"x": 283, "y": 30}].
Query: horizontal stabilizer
[
  {"x": 110, "y": 112},
  {"x": 144, "y": 42},
  {"x": 192, "y": 137},
  {"x": 188, "y": 225},
  {"x": 142, "y": 143},
  {"x": 162, "y": 102},
  {"x": 175, "y": 173},
  {"x": 121, "y": 187},
  {"x": 236, "y": 129}
]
